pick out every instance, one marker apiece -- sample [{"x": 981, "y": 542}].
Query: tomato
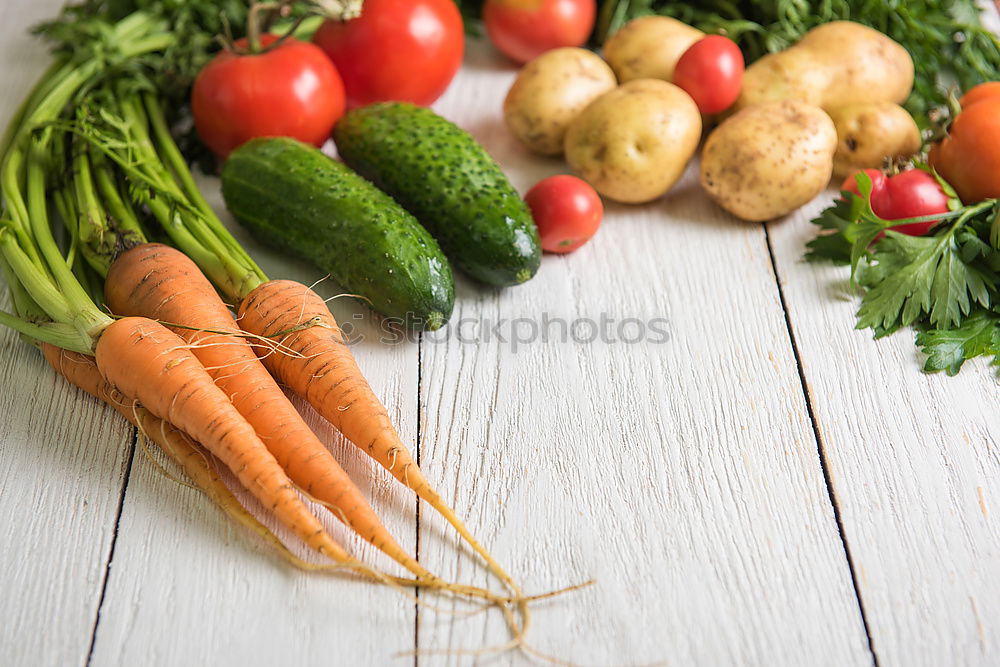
[
  {"x": 711, "y": 72},
  {"x": 983, "y": 91},
  {"x": 524, "y": 29},
  {"x": 969, "y": 157},
  {"x": 877, "y": 178},
  {"x": 909, "y": 194},
  {"x": 567, "y": 211},
  {"x": 402, "y": 50},
  {"x": 291, "y": 91}
]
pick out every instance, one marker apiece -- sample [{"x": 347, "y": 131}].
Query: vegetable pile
[
  {"x": 94, "y": 187},
  {"x": 922, "y": 256},
  {"x": 947, "y": 40}
]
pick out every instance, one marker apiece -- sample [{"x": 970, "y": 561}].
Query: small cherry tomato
[
  {"x": 399, "y": 50},
  {"x": 711, "y": 72},
  {"x": 567, "y": 211},
  {"x": 851, "y": 182},
  {"x": 910, "y": 194},
  {"x": 292, "y": 90},
  {"x": 524, "y": 29},
  {"x": 969, "y": 157}
]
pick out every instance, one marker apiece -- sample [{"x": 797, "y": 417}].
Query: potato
[
  {"x": 649, "y": 47},
  {"x": 769, "y": 159},
  {"x": 549, "y": 92},
  {"x": 867, "y": 134},
  {"x": 633, "y": 143},
  {"x": 834, "y": 65}
]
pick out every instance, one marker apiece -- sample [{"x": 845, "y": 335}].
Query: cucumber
[
  {"x": 441, "y": 175},
  {"x": 292, "y": 196}
]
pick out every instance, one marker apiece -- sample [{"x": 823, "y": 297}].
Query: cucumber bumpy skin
[
  {"x": 294, "y": 197},
  {"x": 441, "y": 175}
]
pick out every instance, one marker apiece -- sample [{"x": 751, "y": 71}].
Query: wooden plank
[
  {"x": 189, "y": 587},
  {"x": 62, "y": 454},
  {"x": 682, "y": 475},
  {"x": 915, "y": 465}
]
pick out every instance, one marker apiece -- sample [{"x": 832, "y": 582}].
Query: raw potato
[
  {"x": 548, "y": 94},
  {"x": 833, "y": 65},
  {"x": 633, "y": 143},
  {"x": 769, "y": 159},
  {"x": 649, "y": 48},
  {"x": 869, "y": 133}
]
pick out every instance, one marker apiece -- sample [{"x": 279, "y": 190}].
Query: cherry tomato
[
  {"x": 851, "y": 182},
  {"x": 969, "y": 157},
  {"x": 909, "y": 194},
  {"x": 524, "y": 29},
  {"x": 291, "y": 90},
  {"x": 401, "y": 50},
  {"x": 711, "y": 72},
  {"x": 567, "y": 211}
]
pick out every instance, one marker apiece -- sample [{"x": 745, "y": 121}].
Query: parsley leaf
[
  {"x": 948, "y": 349},
  {"x": 910, "y": 277}
]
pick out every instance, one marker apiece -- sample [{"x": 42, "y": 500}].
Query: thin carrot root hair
[
  {"x": 325, "y": 373},
  {"x": 82, "y": 372},
  {"x": 159, "y": 282}
]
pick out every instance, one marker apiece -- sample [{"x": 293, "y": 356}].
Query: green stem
[{"x": 249, "y": 273}]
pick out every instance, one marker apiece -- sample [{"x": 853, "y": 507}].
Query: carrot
[
  {"x": 315, "y": 363},
  {"x": 81, "y": 371},
  {"x": 159, "y": 282},
  {"x": 153, "y": 366}
]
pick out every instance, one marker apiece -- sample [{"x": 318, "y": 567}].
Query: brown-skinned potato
[
  {"x": 767, "y": 160},
  {"x": 549, "y": 92},
  {"x": 867, "y": 134},
  {"x": 649, "y": 47},
  {"x": 633, "y": 143},
  {"x": 833, "y": 65}
]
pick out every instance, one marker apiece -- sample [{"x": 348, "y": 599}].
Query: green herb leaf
[{"x": 948, "y": 349}]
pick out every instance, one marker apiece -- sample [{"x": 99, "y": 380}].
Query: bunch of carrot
[{"x": 93, "y": 147}]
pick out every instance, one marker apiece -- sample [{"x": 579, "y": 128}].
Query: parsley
[{"x": 944, "y": 283}]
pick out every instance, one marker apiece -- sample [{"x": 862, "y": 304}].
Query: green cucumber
[
  {"x": 441, "y": 175},
  {"x": 292, "y": 196}
]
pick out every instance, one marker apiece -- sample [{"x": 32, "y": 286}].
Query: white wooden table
[{"x": 766, "y": 487}]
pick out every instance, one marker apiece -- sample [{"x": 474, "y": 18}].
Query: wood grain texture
[
  {"x": 190, "y": 587},
  {"x": 683, "y": 475},
  {"x": 915, "y": 465},
  {"x": 62, "y": 455}
]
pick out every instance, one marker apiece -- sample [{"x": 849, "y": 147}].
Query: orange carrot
[
  {"x": 319, "y": 366},
  {"x": 159, "y": 282},
  {"x": 153, "y": 366},
  {"x": 81, "y": 371}
]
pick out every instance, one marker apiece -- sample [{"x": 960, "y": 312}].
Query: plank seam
[
  {"x": 416, "y": 591},
  {"x": 111, "y": 550},
  {"x": 821, "y": 449}
]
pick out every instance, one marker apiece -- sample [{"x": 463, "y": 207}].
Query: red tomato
[
  {"x": 984, "y": 91},
  {"x": 290, "y": 91},
  {"x": 711, "y": 72},
  {"x": 910, "y": 194},
  {"x": 969, "y": 157},
  {"x": 524, "y": 29},
  {"x": 567, "y": 211},
  {"x": 401, "y": 50},
  {"x": 851, "y": 182}
]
